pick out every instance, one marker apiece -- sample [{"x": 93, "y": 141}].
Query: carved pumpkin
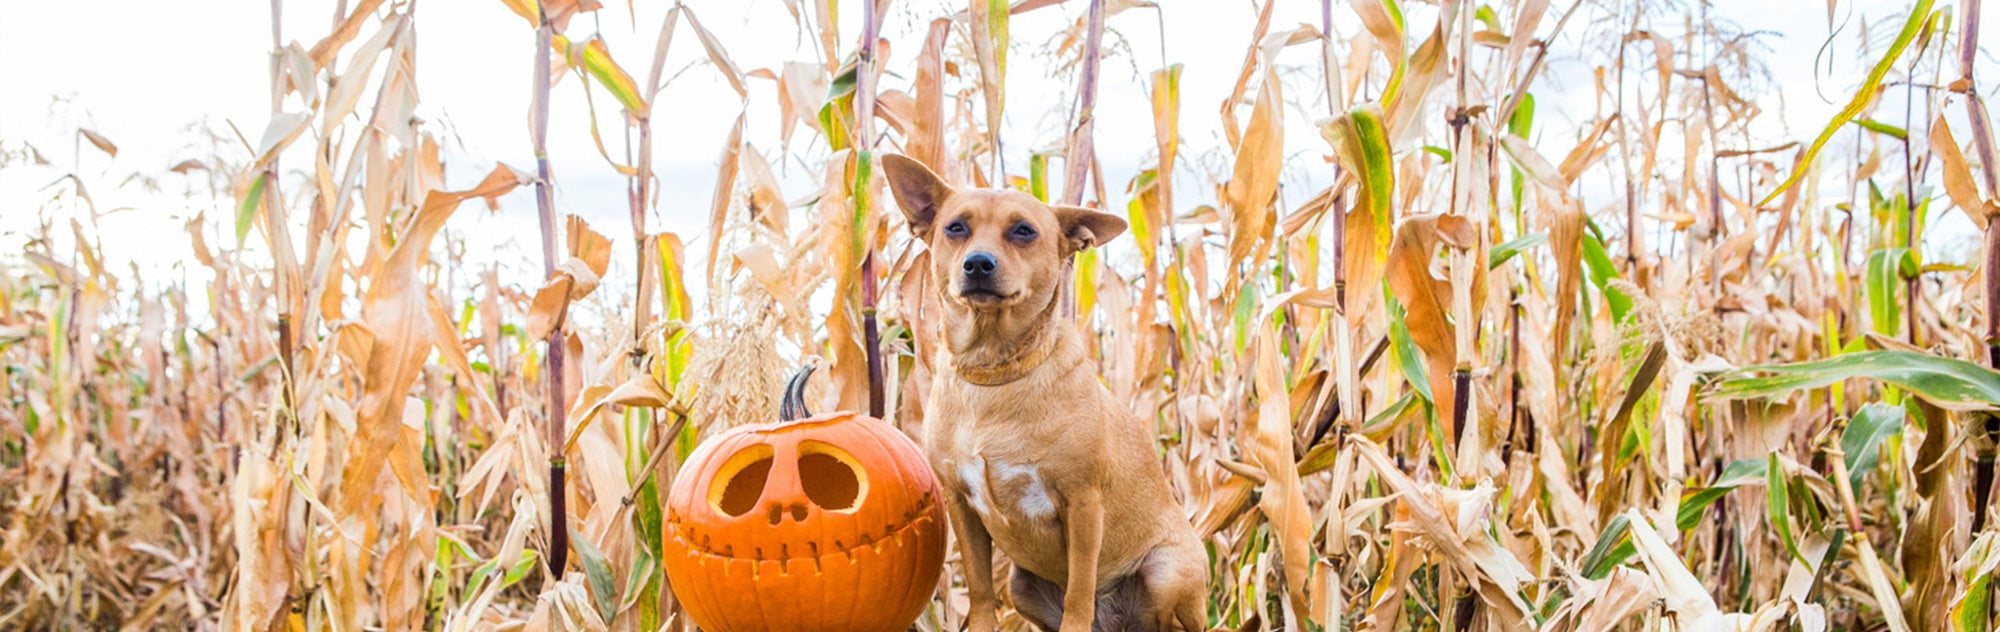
[{"x": 832, "y": 522}]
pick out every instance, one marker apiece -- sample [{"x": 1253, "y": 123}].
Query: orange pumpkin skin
[{"x": 765, "y": 532}]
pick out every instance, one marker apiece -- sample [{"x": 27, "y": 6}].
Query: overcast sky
[{"x": 148, "y": 74}]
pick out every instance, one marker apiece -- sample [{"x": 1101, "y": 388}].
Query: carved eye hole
[
  {"x": 741, "y": 481},
  {"x": 831, "y": 477}
]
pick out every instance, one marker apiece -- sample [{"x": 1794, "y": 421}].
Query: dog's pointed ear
[
  {"x": 1083, "y": 227},
  {"x": 919, "y": 191}
]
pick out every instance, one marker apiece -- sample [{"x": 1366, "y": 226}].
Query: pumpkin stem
[{"x": 793, "y": 407}]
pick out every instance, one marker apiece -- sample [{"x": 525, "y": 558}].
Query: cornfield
[{"x": 1432, "y": 362}]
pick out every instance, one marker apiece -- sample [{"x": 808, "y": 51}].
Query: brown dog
[{"x": 1035, "y": 454}]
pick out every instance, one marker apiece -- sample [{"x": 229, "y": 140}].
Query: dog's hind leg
[
  {"x": 1120, "y": 608},
  {"x": 1192, "y": 613},
  {"x": 1177, "y": 587},
  {"x": 1038, "y": 600}
]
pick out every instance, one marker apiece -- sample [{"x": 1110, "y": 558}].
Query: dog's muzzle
[{"x": 978, "y": 279}]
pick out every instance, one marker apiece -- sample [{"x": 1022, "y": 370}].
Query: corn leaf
[
  {"x": 1862, "y": 441},
  {"x": 1919, "y": 14},
  {"x": 1948, "y": 383}
]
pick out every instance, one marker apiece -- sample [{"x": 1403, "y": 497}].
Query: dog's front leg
[
  {"x": 1083, "y": 528},
  {"x": 975, "y": 546}
]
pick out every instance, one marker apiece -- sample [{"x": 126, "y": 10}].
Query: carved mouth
[{"x": 703, "y": 544}]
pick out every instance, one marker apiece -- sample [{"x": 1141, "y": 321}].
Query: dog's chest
[
  {"x": 1018, "y": 506},
  {"x": 994, "y": 469}
]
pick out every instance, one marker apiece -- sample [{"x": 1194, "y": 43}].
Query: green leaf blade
[
  {"x": 1948, "y": 383},
  {"x": 1862, "y": 97}
]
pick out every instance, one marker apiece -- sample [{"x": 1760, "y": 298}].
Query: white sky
[{"x": 146, "y": 74}]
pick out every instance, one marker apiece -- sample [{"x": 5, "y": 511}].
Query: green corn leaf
[
  {"x": 1380, "y": 422},
  {"x": 1486, "y": 16},
  {"x": 1945, "y": 382},
  {"x": 1601, "y": 272},
  {"x": 1883, "y": 128},
  {"x": 1246, "y": 309},
  {"x": 1515, "y": 246},
  {"x": 1520, "y": 124},
  {"x": 1883, "y": 277},
  {"x": 864, "y": 169},
  {"x": 1085, "y": 284},
  {"x": 1777, "y": 498},
  {"x": 1408, "y": 358},
  {"x": 521, "y": 568},
  {"x": 594, "y": 59},
  {"x": 1038, "y": 176},
  {"x": 1613, "y": 547},
  {"x": 598, "y": 570},
  {"x": 1862, "y": 96},
  {"x": 1361, "y": 144},
  {"x": 1736, "y": 474},
  {"x": 1862, "y": 441},
  {"x": 1973, "y": 612},
  {"x": 1136, "y": 217},
  {"x": 246, "y": 212}
]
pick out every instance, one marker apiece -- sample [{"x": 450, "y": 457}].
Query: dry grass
[{"x": 1444, "y": 394}]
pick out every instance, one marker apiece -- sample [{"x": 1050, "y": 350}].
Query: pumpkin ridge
[
  {"x": 920, "y": 515},
  {"x": 825, "y": 419}
]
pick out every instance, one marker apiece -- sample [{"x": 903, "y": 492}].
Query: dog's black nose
[{"x": 980, "y": 265}]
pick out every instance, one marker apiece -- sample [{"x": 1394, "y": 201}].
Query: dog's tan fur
[{"x": 1036, "y": 455}]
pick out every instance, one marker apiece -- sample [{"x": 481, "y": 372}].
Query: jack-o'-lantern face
[{"x": 828, "y": 523}]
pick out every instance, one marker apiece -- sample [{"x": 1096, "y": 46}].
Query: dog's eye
[
  {"x": 957, "y": 229},
  {"x": 1023, "y": 232}
]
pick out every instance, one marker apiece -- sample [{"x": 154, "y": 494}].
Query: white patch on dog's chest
[
  {"x": 973, "y": 477},
  {"x": 988, "y": 484},
  {"x": 1026, "y": 481}
]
